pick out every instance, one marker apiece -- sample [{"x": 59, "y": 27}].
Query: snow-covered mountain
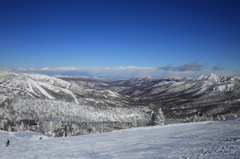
[
  {"x": 32, "y": 99},
  {"x": 35, "y": 99},
  {"x": 206, "y": 96}
]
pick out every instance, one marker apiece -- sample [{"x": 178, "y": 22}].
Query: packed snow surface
[{"x": 220, "y": 140}]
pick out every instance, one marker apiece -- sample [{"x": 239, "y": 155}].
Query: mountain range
[{"x": 84, "y": 104}]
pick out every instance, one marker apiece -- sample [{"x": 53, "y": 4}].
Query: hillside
[
  {"x": 42, "y": 103},
  {"x": 45, "y": 104},
  {"x": 216, "y": 140},
  {"x": 207, "y": 97}
]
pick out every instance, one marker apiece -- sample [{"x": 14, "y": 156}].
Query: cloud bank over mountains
[
  {"x": 191, "y": 69},
  {"x": 191, "y": 66}
]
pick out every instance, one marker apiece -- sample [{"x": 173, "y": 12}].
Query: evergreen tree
[{"x": 157, "y": 118}]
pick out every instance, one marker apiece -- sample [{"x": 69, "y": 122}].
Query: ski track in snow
[
  {"x": 72, "y": 94},
  {"x": 15, "y": 88},
  {"x": 68, "y": 86},
  {"x": 31, "y": 82},
  {"x": 203, "y": 140}
]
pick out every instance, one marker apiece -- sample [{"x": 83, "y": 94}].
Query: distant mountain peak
[
  {"x": 147, "y": 78},
  {"x": 212, "y": 77},
  {"x": 173, "y": 78}
]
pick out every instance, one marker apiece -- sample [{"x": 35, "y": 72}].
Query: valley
[{"x": 42, "y": 103}]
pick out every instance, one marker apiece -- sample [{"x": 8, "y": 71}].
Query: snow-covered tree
[{"x": 157, "y": 118}]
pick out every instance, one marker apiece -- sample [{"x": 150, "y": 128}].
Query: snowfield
[{"x": 220, "y": 140}]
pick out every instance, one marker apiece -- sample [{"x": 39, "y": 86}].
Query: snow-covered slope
[
  {"x": 35, "y": 85},
  {"x": 30, "y": 85},
  {"x": 215, "y": 140}
]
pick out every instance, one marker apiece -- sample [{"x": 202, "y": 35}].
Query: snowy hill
[
  {"x": 42, "y": 103},
  {"x": 216, "y": 140},
  {"x": 187, "y": 99}
]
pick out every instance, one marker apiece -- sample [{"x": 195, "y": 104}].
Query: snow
[
  {"x": 227, "y": 87},
  {"x": 40, "y": 89},
  {"x": 90, "y": 99},
  {"x": 72, "y": 94},
  {"x": 113, "y": 94},
  {"x": 213, "y": 78},
  {"x": 173, "y": 78},
  {"x": 2, "y": 98},
  {"x": 146, "y": 78},
  {"x": 218, "y": 140}
]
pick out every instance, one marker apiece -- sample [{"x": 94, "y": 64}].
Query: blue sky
[{"x": 77, "y": 37}]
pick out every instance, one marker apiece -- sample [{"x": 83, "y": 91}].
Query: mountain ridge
[{"x": 28, "y": 96}]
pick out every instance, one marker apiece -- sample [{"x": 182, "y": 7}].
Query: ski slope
[{"x": 220, "y": 140}]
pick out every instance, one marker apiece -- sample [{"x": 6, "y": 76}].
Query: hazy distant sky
[{"x": 137, "y": 37}]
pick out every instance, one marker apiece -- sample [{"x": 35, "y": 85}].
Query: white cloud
[
  {"x": 67, "y": 68},
  {"x": 122, "y": 72},
  {"x": 191, "y": 66},
  {"x": 132, "y": 68},
  {"x": 22, "y": 69},
  {"x": 45, "y": 68},
  {"x": 32, "y": 69}
]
